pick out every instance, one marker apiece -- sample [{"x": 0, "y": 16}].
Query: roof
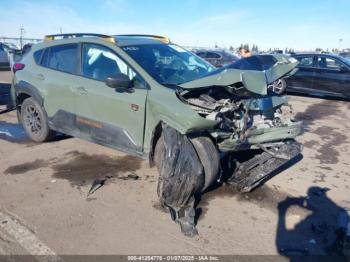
[
  {"x": 318, "y": 54},
  {"x": 120, "y": 40}
]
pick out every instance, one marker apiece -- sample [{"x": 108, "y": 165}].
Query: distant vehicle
[
  {"x": 321, "y": 75},
  {"x": 277, "y": 52},
  {"x": 345, "y": 55},
  {"x": 10, "y": 46},
  {"x": 217, "y": 58},
  {"x": 4, "y": 59}
]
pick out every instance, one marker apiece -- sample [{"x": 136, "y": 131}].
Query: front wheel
[
  {"x": 207, "y": 153},
  {"x": 34, "y": 121}
]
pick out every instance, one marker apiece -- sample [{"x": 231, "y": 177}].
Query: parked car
[
  {"x": 321, "y": 75},
  {"x": 345, "y": 55},
  {"x": 150, "y": 98},
  {"x": 4, "y": 59},
  {"x": 217, "y": 58}
]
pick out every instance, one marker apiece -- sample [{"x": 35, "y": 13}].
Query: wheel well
[
  {"x": 20, "y": 98},
  {"x": 157, "y": 132}
]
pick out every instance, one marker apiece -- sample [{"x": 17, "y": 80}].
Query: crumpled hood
[{"x": 255, "y": 73}]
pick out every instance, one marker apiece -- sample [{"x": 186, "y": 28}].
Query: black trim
[
  {"x": 95, "y": 131},
  {"x": 25, "y": 88}
]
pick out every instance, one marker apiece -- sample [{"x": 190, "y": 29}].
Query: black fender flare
[{"x": 24, "y": 87}]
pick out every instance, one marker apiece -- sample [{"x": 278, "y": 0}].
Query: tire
[
  {"x": 210, "y": 158},
  {"x": 158, "y": 152},
  {"x": 34, "y": 121},
  {"x": 207, "y": 153}
]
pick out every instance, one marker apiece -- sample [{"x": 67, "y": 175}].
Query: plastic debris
[{"x": 181, "y": 179}]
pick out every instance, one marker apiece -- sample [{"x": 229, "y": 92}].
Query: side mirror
[{"x": 118, "y": 81}]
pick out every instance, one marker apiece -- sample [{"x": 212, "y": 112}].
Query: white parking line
[{"x": 27, "y": 239}]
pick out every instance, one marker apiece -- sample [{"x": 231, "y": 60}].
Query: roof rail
[
  {"x": 163, "y": 39},
  {"x": 75, "y": 35}
]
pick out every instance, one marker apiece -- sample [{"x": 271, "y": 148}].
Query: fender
[{"x": 25, "y": 88}]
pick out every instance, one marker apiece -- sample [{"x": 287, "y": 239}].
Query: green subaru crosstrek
[{"x": 120, "y": 91}]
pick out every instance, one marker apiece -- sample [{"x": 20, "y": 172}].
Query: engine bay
[{"x": 241, "y": 117}]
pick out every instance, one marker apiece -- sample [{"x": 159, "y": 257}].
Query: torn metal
[{"x": 181, "y": 178}]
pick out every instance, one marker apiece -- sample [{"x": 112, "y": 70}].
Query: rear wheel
[
  {"x": 34, "y": 121},
  {"x": 207, "y": 153}
]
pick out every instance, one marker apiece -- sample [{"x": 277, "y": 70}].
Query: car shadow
[
  {"x": 321, "y": 232},
  {"x": 15, "y": 133}
]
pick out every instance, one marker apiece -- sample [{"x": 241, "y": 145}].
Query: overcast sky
[{"x": 299, "y": 24}]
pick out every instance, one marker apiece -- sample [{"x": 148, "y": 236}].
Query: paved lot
[{"x": 43, "y": 190}]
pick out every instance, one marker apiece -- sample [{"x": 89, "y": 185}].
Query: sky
[{"x": 298, "y": 24}]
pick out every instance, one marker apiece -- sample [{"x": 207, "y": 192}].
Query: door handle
[
  {"x": 40, "y": 76},
  {"x": 81, "y": 90}
]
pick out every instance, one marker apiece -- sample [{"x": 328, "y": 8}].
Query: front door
[
  {"x": 106, "y": 115},
  {"x": 330, "y": 77}
]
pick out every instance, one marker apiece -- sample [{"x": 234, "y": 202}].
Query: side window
[
  {"x": 305, "y": 61},
  {"x": 63, "y": 58},
  {"x": 213, "y": 55},
  {"x": 45, "y": 57},
  {"x": 100, "y": 62},
  {"x": 201, "y": 54},
  {"x": 328, "y": 63},
  {"x": 1, "y": 48},
  {"x": 37, "y": 56}
]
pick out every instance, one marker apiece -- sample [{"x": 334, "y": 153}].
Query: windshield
[{"x": 169, "y": 64}]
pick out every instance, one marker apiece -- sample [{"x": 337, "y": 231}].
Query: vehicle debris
[
  {"x": 180, "y": 179},
  {"x": 97, "y": 184}
]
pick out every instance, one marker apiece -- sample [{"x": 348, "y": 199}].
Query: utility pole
[
  {"x": 60, "y": 30},
  {"x": 22, "y": 31},
  {"x": 340, "y": 40}
]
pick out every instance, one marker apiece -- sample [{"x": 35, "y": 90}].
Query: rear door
[
  {"x": 330, "y": 77},
  {"x": 303, "y": 79},
  {"x": 57, "y": 77},
  {"x": 105, "y": 115}
]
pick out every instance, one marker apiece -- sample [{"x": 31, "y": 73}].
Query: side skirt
[{"x": 94, "y": 131}]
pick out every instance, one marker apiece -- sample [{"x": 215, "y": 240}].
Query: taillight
[{"x": 17, "y": 67}]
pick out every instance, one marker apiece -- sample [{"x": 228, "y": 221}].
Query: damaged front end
[{"x": 245, "y": 101}]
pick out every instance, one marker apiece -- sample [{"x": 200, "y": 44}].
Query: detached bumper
[
  {"x": 253, "y": 172},
  {"x": 261, "y": 136}
]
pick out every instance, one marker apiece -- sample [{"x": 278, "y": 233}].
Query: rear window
[
  {"x": 62, "y": 58},
  {"x": 256, "y": 62},
  {"x": 37, "y": 56}
]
